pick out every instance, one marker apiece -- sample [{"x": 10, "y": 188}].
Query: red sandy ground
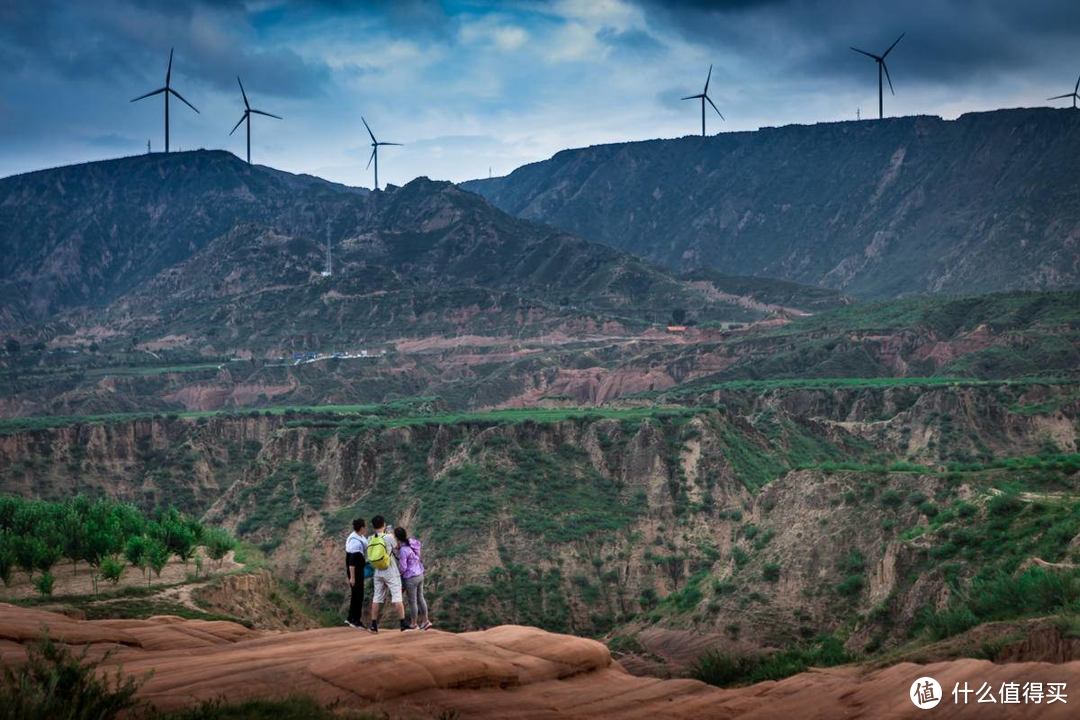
[{"x": 507, "y": 672}]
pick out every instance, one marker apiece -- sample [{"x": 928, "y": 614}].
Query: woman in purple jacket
[{"x": 412, "y": 576}]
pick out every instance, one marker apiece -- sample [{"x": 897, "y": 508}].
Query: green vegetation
[
  {"x": 57, "y": 684},
  {"x": 292, "y": 708},
  {"x": 35, "y": 535},
  {"x": 275, "y": 500},
  {"x": 54, "y": 683},
  {"x": 724, "y": 669},
  {"x": 987, "y": 555},
  {"x": 834, "y": 383},
  {"x": 354, "y": 416}
]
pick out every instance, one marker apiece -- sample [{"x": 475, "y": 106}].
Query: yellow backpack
[{"x": 377, "y": 555}]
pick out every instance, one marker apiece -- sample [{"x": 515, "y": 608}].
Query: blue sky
[{"x": 471, "y": 85}]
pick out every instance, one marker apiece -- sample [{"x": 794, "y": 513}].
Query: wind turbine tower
[
  {"x": 1075, "y": 94},
  {"x": 704, "y": 96},
  {"x": 167, "y": 91},
  {"x": 248, "y": 111},
  {"x": 375, "y": 151},
  {"x": 881, "y": 67}
]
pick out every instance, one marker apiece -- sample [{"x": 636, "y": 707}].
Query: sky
[{"x": 473, "y": 88}]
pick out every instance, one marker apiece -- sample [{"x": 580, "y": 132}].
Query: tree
[
  {"x": 26, "y": 550},
  {"x": 46, "y": 555},
  {"x": 12, "y": 346},
  {"x": 135, "y": 552},
  {"x": 218, "y": 544},
  {"x": 7, "y": 558},
  {"x": 73, "y": 533},
  {"x": 112, "y": 569},
  {"x": 102, "y": 537},
  {"x": 157, "y": 555},
  {"x": 678, "y": 316}
]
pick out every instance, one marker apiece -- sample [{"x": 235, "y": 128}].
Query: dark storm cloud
[
  {"x": 946, "y": 40},
  {"x": 526, "y": 77},
  {"x": 128, "y": 41}
]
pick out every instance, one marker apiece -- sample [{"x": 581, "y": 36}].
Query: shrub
[
  {"x": 44, "y": 584},
  {"x": 891, "y": 499},
  {"x": 771, "y": 571},
  {"x": 53, "y": 683},
  {"x": 112, "y": 569},
  {"x": 724, "y": 669},
  {"x": 740, "y": 556},
  {"x": 850, "y": 586}
]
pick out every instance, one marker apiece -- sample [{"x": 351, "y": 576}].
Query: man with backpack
[
  {"x": 355, "y": 550},
  {"x": 382, "y": 556}
]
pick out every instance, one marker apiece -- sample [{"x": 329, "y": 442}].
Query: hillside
[
  {"x": 498, "y": 673},
  {"x": 150, "y": 243},
  {"x": 987, "y": 202},
  {"x": 84, "y": 234},
  {"x": 674, "y": 517},
  {"x": 476, "y": 348},
  {"x": 426, "y": 258}
]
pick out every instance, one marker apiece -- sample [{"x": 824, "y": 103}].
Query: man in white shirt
[
  {"x": 388, "y": 580},
  {"x": 355, "y": 550}
]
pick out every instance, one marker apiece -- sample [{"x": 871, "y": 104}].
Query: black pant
[{"x": 356, "y": 598}]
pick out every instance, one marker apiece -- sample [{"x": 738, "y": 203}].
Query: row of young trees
[{"x": 37, "y": 535}]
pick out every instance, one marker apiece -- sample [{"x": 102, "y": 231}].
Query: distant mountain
[
  {"x": 84, "y": 234},
  {"x": 192, "y": 243},
  {"x": 427, "y": 258},
  {"x": 990, "y": 201}
]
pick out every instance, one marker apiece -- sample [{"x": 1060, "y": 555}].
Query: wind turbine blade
[
  {"x": 168, "y": 73},
  {"x": 707, "y": 79},
  {"x": 886, "y": 69},
  {"x": 368, "y": 129},
  {"x": 246, "y": 105},
  {"x": 1056, "y": 97},
  {"x": 886, "y": 53},
  {"x": 692, "y": 97},
  {"x": 154, "y": 92},
  {"x": 242, "y": 119},
  {"x": 1077, "y": 88},
  {"x": 382, "y": 143},
  {"x": 714, "y": 107},
  {"x": 370, "y": 158},
  {"x": 260, "y": 112},
  {"x": 181, "y": 97},
  {"x": 872, "y": 55}
]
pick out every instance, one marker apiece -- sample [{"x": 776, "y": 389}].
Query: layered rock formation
[{"x": 504, "y": 672}]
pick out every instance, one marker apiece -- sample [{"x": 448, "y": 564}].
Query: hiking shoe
[
  {"x": 351, "y": 624},
  {"x": 374, "y": 626},
  {"x": 405, "y": 627},
  {"x": 426, "y": 626}
]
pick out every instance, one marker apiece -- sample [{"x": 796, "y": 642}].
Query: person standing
[
  {"x": 382, "y": 555},
  {"x": 355, "y": 552},
  {"x": 412, "y": 574}
]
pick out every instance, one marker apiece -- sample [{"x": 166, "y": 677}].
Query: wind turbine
[
  {"x": 880, "y": 60},
  {"x": 703, "y": 96},
  {"x": 167, "y": 90},
  {"x": 1075, "y": 94},
  {"x": 374, "y": 151},
  {"x": 248, "y": 110}
]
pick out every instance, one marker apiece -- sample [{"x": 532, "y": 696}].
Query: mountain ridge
[{"x": 982, "y": 203}]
